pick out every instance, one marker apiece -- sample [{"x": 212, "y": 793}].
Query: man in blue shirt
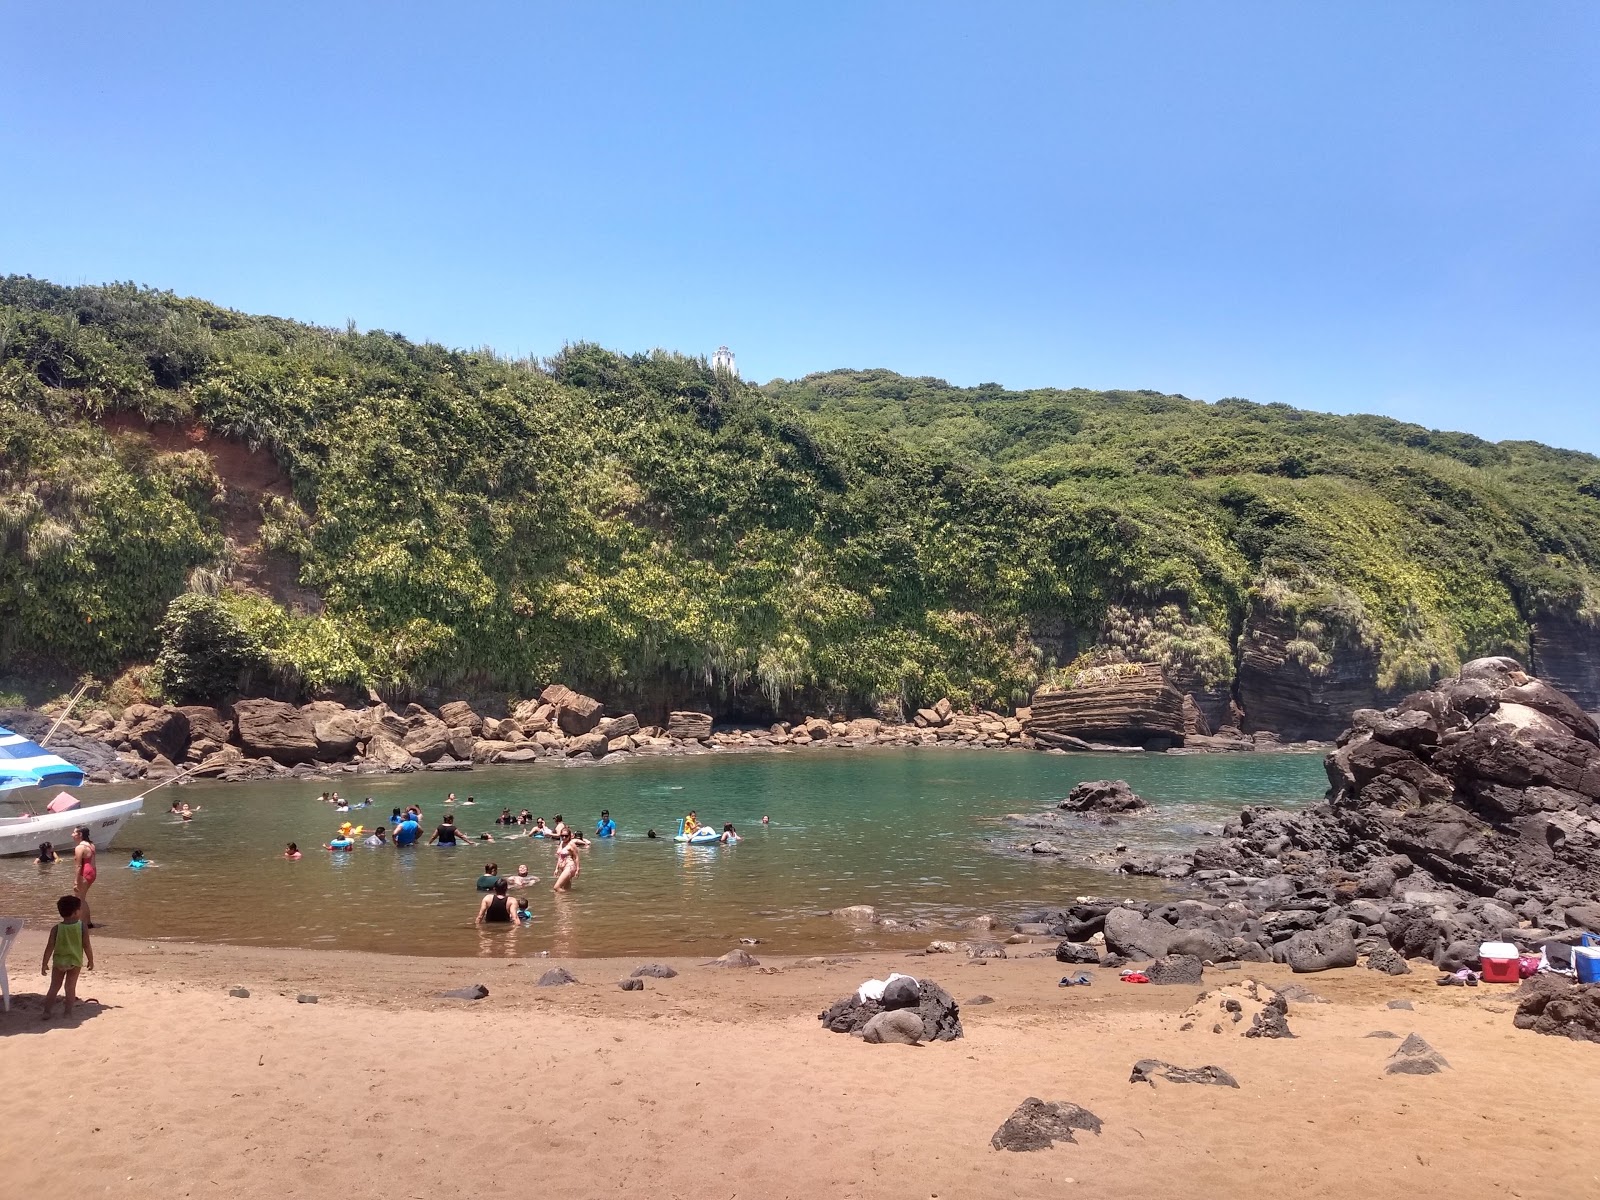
[
  {"x": 607, "y": 827},
  {"x": 407, "y": 832}
]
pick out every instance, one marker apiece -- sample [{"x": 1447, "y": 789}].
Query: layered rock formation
[
  {"x": 1296, "y": 700},
  {"x": 1565, "y": 653},
  {"x": 1127, "y": 704}
]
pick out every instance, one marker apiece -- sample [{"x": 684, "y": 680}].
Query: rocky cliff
[
  {"x": 1566, "y": 654},
  {"x": 1298, "y": 700}
]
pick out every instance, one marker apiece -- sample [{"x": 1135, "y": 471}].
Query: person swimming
[
  {"x": 524, "y": 913},
  {"x": 47, "y": 853},
  {"x": 606, "y": 826},
  {"x": 495, "y": 909},
  {"x": 729, "y": 835},
  {"x": 138, "y": 861},
  {"x": 291, "y": 852}
]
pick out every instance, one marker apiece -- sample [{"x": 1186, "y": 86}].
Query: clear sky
[{"x": 1356, "y": 207}]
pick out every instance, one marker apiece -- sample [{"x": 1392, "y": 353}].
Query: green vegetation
[{"x": 641, "y": 526}]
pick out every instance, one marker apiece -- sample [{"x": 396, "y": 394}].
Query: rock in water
[
  {"x": 556, "y": 977},
  {"x": 1146, "y": 1070},
  {"x": 1272, "y": 1021},
  {"x": 901, "y": 1026},
  {"x": 1037, "y": 1125},
  {"x": 1132, "y": 704},
  {"x": 476, "y": 992},
  {"x": 1571, "y": 1011},
  {"x": 1176, "y": 968},
  {"x": 654, "y": 971},
  {"x": 1104, "y": 796},
  {"x": 1415, "y": 1057},
  {"x": 736, "y": 958},
  {"x": 941, "y": 1015}
]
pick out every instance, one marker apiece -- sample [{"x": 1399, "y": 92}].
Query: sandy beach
[{"x": 722, "y": 1083}]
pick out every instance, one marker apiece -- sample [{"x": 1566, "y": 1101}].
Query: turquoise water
[{"x": 915, "y": 833}]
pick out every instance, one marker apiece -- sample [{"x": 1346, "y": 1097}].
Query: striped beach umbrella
[{"x": 28, "y": 764}]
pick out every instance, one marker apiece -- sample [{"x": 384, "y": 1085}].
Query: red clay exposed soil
[{"x": 249, "y": 478}]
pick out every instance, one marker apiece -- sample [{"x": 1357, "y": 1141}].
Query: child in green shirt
[{"x": 66, "y": 951}]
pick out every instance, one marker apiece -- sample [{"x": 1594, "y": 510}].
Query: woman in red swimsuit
[{"x": 83, "y": 856}]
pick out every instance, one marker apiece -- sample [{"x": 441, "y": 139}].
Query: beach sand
[{"x": 721, "y": 1083}]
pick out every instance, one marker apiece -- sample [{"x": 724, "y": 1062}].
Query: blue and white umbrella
[{"x": 28, "y": 764}]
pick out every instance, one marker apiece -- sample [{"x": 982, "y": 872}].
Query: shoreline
[
  {"x": 380, "y": 1089},
  {"x": 334, "y": 771}
]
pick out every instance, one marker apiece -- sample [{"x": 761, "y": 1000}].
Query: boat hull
[{"x": 21, "y": 835}]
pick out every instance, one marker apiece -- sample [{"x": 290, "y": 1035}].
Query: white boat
[{"x": 21, "y": 835}]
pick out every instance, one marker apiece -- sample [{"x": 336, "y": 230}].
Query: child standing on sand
[{"x": 66, "y": 951}]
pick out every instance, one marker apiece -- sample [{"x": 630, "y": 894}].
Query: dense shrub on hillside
[{"x": 637, "y": 523}]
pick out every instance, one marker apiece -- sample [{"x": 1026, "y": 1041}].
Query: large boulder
[
  {"x": 209, "y": 730},
  {"x": 1133, "y": 935},
  {"x": 83, "y": 750},
  {"x": 1319, "y": 949},
  {"x": 387, "y": 754},
  {"x": 156, "y": 731},
  {"x": 458, "y": 714},
  {"x": 1126, "y": 703},
  {"x": 689, "y": 726},
  {"x": 902, "y": 1025},
  {"x": 339, "y": 733},
  {"x": 575, "y": 713},
  {"x": 272, "y": 729}
]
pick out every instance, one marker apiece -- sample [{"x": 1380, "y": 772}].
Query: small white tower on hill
[{"x": 722, "y": 360}]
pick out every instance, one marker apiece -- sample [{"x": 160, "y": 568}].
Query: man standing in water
[
  {"x": 407, "y": 832},
  {"x": 607, "y": 827}
]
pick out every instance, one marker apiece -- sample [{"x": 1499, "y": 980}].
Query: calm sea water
[{"x": 915, "y": 833}]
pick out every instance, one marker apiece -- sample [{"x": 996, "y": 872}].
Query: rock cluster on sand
[
  {"x": 1415, "y": 1057},
  {"x": 939, "y": 1014}
]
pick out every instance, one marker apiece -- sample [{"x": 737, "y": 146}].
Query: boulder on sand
[
  {"x": 1562, "y": 1009},
  {"x": 1415, "y": 1057},
  {"x": 272, "y": 729},
  {"x": 1037, "y": 1125},
  {"x": 1319, "y": 949},
  {"x": 1148, "y": 1070},
  {"x": 902, "y": 1026}
]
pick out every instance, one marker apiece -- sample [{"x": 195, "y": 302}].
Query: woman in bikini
[
  {"x": 567, "y": 862},
  {"x": 83, "y": 858}
]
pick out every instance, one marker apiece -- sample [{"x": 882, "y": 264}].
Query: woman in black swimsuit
[
  {"x": 495, "y": 909},
  {"x": 447, "y": 833}
]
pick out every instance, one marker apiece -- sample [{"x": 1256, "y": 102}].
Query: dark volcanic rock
[
  {"x": 1415, "y": 1057},
  {"x": 1077, "y": 952},
  {"x": 1104, "y": 796},
  {"x": 941, "y": 1015},
  {"x": 1319, "y": 950},
  {"x": 1177, "y": 968},
  {"x": 1572, "y": 1010},
  {"x": 1388, "y": 961},
  {"x": 1147, "y": 1070},
  {"x": 556, "y": 977},
  {"x": 654, "y": 971},
  {"x": 1272, "y": 1021},
  {"x": 1566, "y": 653},
  {"x": 849, "y": 1015},
  {"x": 1037, "y": 1125},
  {"x": 631, "y": 984},
  {"x": 475, "y": 991},
  {"x": 901, "y": 993}
]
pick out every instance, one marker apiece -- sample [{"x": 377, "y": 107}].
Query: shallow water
[{"x": 915, "y": 833}]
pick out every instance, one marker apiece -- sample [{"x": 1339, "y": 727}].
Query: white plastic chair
[{"x": 10, "y": 927}]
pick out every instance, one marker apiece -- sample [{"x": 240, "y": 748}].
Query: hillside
[{"x": 256, "y": 505}]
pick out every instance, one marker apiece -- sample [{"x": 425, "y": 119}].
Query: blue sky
[{"x": 1355, "y": 207}]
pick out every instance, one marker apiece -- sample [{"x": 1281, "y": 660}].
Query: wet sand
[{"x": 722, "y": 1083}]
